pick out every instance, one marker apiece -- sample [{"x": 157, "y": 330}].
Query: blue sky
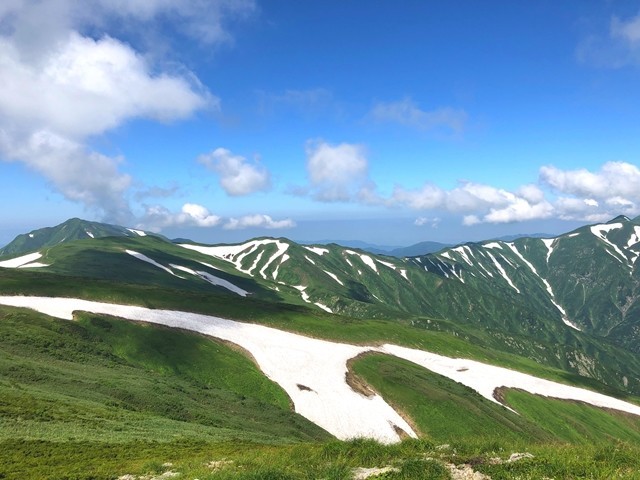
[{"x": 389, "y": 122}]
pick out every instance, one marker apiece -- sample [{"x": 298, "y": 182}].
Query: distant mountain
[
  {"x": 73, "y": 229},
  {"x": 511, "y": 238},
  {"x": 422, "y": 248},
  {"x": 368, "y": 247}
]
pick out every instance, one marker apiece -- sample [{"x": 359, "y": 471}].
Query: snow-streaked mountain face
[
  {"x": 586, "y": 278},
  {"x": 568, "y": 291}
]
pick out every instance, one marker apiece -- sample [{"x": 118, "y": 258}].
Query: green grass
[
  {"x": 442, "y": 410},
  {"x": 575, "y": 422},
  {"x": 103, "y": 379},
  {"x": 332, "y": 460}
]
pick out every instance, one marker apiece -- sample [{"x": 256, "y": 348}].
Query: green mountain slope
[{"x": 73, "y": 229}]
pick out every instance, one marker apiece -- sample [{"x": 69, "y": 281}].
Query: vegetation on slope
[{"x": 103, "y": 379}]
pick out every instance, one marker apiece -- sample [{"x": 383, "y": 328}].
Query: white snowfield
[
  {"x": 312, "y": 371},
  {"x": 140, "y": 233},
  {"x": 236, "y": 253},
  {"x": 25, "y": 261}
]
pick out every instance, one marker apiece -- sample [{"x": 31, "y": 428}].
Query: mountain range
[{"x": 562, "y": 307}]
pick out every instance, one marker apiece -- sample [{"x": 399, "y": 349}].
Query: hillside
[{"x": 472, "y": 328}]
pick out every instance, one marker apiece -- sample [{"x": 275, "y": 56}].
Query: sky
[{"x": 387, "y": 122}]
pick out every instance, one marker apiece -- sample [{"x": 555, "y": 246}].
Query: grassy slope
[
  {"x": 427, "y": 334},
  {"x": 448, "y": 412},
  {"x": 102, "y": 379},
  {"x": 75, "y": 403}
]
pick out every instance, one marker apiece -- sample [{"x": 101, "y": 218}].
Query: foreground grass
[{"x": 333, "y": 460}]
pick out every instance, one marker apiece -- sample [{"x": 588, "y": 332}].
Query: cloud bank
[{"x": 157, "y": 218}]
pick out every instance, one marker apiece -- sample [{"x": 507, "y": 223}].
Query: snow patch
[
  {"x": 635, "y": 237},
  {"x": 282, "y": 247},
  {"x": 309, "y": 260},
  {"x": 89, "y": 233},
  {"x": 286, "y": 358},
  {"x": 318, "y": 250},
  {"x": 303, "y": 294},
  {"x": 144, "y": 258},
  {"x": 235, "y": 254},
  {"x": 291, "y": 359},
  {"x": 334, "y": 276},
  {"x": 366, "y": 259},
  {"x": 492, "y": 245},
  {"x": 503, "y": 273},
  {"x": 549, "y": 243},
  {"x": 601, "y": 231},
  {"x": 463, "y": 254},
  {"x": 31, "y": 235},
  {"x": 20, "y": 261},
  {"x": 323, "y": 307},
  {"x": 212, "y": 279},
  {"x": 137, "y": 232}
]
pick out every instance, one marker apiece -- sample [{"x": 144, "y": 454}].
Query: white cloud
[
  {"x": 612, "y": 190},
  {"x": 59, "y": 87},
  {"x": 480, "y": 203},
  {"x": 258, "y": 221},
  {"x": 76, "y": 172},
  {"x": 337, "y": 172},
  {"x": 86, "y": 87},
  {"x": 619, "y": 46},
  {"x": 433, "y": 222},
  {"x": 406, "y": 112},
  {"x": 237, "y": 175},
  {"x": 629, "y": 30},
  {"x": 426, "y": 198},
  {"x": 158, "y": 217}
]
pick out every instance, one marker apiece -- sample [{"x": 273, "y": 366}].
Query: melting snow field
[
  {"x": 25, "y": 261},
  {"x": 312, "y": 371}
]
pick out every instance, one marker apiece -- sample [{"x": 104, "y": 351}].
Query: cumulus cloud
[
  {"x": 337, "y": 172},
  {"x": 79, "y": 174},
  {"x": 158, "y": 217},
  {"x": 406, "y": 112},
  {"x": 237, "y": 175},
  {"x": 619, "y": 179},
  {"x": 612, "y": 190},
  {"x": 60, "y": 86},
  {"x": 258, "y": 221},
  {"x": 480, "y": 203},
  {"x": 86, "y": 87}
]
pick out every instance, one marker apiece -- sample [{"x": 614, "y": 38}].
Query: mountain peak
[
  {"x": 69, "y": 230},
  {"x": 618, "y": 219}
]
